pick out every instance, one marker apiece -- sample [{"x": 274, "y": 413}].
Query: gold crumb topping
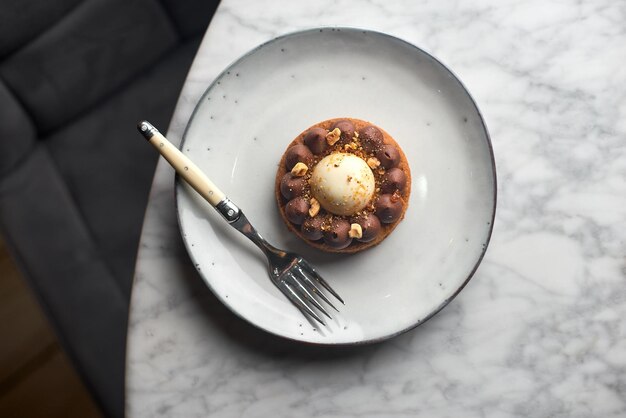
[
  {"x": 314, "y": 207},
  {"x": 333, "y": 136},
  {"x": 373, "y": 162},
  {"x": 355, "y": 231},
  {"x": 299, "y": 170}
]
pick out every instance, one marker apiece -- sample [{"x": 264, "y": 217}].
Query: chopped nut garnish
[
  {"x": 299, "y": 169},
  {"x": 355, "y": 231},
  {"x": 373, "y": 162},
  {"x": 314, "y": 209},
  {"x": 333, "y": 136}
]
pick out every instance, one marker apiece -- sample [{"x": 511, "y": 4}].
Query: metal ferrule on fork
[{"x": 228, "y": 210}]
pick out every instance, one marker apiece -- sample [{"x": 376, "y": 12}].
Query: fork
[{"x": 289, "y": 272}]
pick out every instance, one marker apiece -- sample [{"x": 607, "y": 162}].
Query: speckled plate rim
[{"x": 487, "y": 137}]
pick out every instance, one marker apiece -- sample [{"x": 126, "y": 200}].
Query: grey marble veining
[{"x": 540, "y": 329}]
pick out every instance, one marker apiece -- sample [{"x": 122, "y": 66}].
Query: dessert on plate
[{"x": 343, "y": 185}]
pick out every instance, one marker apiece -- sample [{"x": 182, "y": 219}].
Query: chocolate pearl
[
  {"x": 370, "y": 226},
  {"x": 347, "y": 130},
  {"x": 388, "y": 208},
  {"x": 371, "y": 138},
  {"x": 296, "y": 210},
  {"x": 315, "y": 139},
  {"x": 337, "y": 236},
  {"x": 388, "y": 156},
  {"x": 291, "y": 186},
  {"x": 312, "y": 228},
  {"x": 297, "y": 154},
  {"x": 394, "y": 179}
]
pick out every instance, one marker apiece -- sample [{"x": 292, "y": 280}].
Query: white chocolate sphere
[{"x": 342, "y": 183}]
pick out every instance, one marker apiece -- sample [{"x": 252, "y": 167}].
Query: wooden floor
[{"x": 36, "y": 378}]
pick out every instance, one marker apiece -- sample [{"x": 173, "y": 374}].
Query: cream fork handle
[{"x": 183, "y": 165}]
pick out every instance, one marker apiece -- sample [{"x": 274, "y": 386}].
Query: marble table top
[{"x": 539, "y": 331}]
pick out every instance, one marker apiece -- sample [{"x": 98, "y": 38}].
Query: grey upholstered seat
[{"x": 75, "y": 77}]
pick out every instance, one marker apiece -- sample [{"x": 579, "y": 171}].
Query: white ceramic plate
[{"x": 243, "y": 124}]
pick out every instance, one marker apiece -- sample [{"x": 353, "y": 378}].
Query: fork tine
[
  {"x": 296, "y": 300},
  {"x": 314, "y": 288},
  {"x": 308, "y": 295},
  {"x": 320, "y": 280}
]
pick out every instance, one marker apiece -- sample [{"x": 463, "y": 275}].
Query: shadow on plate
[
  {"x": 243, "y": 333},
  {"x": 247, "y": 336}
]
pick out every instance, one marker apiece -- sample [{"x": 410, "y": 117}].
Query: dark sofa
[{"x": 75, "y": 77}]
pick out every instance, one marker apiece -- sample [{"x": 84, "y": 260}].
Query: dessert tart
[{"x": 343, "y": 185}]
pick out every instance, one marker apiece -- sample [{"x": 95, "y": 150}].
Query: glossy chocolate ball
[
  {"x": 371, "y": 138},
  {"x": 388, "y": 155},
  {"x": 347, "y": 130},
  {"x": 297, "y": 154},
  {"x": 393, "y": 179},
  {"x": 315, "y": 139},
  {"x": 388, "y": 208},
  {"x": 291, "y": 186},
  {"x": 297, "y": 210},
  {"x": 370, "y": 227},
  {"x": 337, "y": 236},
  {"x": 312, "y": 228}
]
